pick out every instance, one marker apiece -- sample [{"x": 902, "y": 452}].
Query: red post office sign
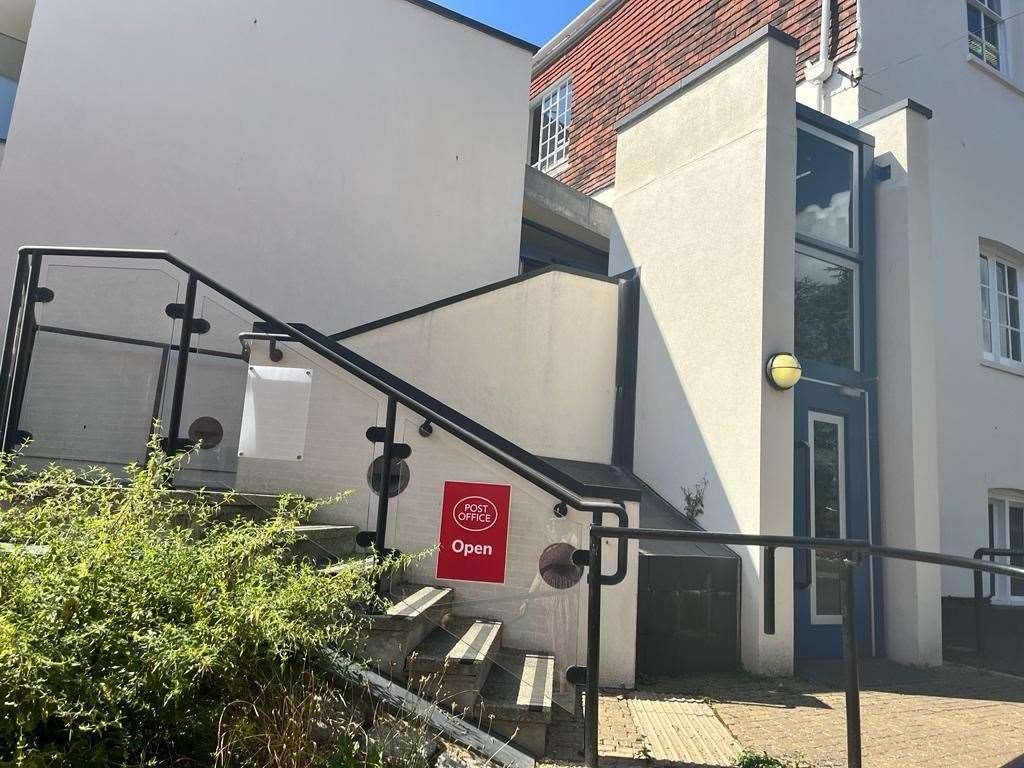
[{"x": 474, "y": 532}]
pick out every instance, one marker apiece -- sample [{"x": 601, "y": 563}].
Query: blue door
[
  {"x": 831, "y": 500},
  {"x": 835, "y": 460}
]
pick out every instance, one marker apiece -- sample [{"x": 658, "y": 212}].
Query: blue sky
[{"x": 535, "y": 21}]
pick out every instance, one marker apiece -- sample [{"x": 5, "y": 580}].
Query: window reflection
[
  {"x": 824, "y": 322},
  {"x": 828, "y": 508},
  {"x": 824, "y": 189}
]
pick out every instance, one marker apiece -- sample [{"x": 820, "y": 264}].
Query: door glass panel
[
  {"x": 1017, "y": 543},
  {"x": 828, "y": 520},
  {"x": 824, "y": 189},
  {"x": 824, "y": 309}
]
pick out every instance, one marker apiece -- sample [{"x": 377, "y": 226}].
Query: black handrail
[
  {"x": 523, "y": 463},
  {"x": 852, "y": 551},
  {"x": 979, "y": 599}
]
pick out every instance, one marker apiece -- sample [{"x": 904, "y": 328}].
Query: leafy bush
[
  {"x": 758, "y": 760},
  {"x": 136, "y": 616},
  {"x": 763, "y": 760}
]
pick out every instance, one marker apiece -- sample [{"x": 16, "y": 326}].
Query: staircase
[
  {"x": 320, "y": 544},
  {"x": 461, "y": 664}
]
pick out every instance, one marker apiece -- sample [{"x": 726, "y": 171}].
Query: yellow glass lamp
[{"x": 783, "y": 370}]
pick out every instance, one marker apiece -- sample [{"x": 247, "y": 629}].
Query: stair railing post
[
  {"x": 850, "y": 662},
  {"x": 24, "y": 330},
  {"x": 181, "y": 371},
  {"x": 979, "y": 638},
  {"x": 384, "y": 493},
  {"x": 591, "y": 724}
]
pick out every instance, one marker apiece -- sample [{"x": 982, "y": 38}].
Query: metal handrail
[
  {"x": 509, "y": 455},
  {"x": 853, "y": 551}
]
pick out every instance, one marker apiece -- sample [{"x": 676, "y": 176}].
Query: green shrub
[
  {"x": 758, "y": 760},
  {"x": 750, "y": 759},
  {"x": 137, "y": 616}
]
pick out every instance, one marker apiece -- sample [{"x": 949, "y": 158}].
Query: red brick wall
[{"x": 646, "y": 45}]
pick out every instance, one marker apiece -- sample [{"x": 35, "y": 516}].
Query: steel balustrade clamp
[{"x": 576, "y": 675}]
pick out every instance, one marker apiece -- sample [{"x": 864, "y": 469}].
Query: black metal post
[
  {"x": 979, "y": 644},
  {"x": 181, "y": 372},
  {"x": 769, "y": 590},
  {"x": 20, "y": 329},
  {"x": 384, "y": 495},
  {"x": 850, "y": 661},
  {"x": 590, "y": 725}
]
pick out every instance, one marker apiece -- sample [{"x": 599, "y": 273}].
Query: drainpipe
[{"x": 817, "y": 72}]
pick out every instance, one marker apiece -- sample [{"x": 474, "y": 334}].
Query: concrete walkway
[{"x": 951, "y": 716}]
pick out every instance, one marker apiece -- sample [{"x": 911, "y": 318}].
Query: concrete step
[
  {"x": 325, "y": 544},
  {"x": 515, "y": 702},
  {"x": 393, "y": 635},
  {"x": 451, "y": 665}
]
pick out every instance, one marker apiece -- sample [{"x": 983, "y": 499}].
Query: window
[
  {"x": 828, "y": 504},
  {"x": 1001, "y": 329},
  {"x": 551, "y": 119},
  {"x": 825, "y": 309},
  {"x": 826, "y": 187},
  {"x": 985, "y": 31},
  {"x": 1007, "y": 516}
]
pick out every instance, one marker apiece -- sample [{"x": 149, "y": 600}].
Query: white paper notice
[{"x": 276, "y": 413}]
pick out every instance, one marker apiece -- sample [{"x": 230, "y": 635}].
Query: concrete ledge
[
  {"x": 542, "y": 193},
  {"x": 705, "y": 71},
  {"x": 899, "y": 106}
]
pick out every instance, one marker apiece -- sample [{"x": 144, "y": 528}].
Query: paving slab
[{"x": 945, "y": 716}]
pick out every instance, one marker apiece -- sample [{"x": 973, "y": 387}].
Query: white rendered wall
[
  {"x": 704, "y": 207},
  {"x": 976, "y": 167},
  {"x": 534, "y": 361},
  {"x": 335, "y": 460},
  {"x": 908, "y": 459},
  {"x": 334, "y": 162}
]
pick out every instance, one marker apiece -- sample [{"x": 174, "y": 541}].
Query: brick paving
[{"x": 952, "y": 716}]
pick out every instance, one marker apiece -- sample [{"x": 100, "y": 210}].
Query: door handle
[{"x": 803, "y": 581}]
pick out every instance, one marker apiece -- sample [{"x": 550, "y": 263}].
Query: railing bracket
[
  {"x": 576, "y": 675},
  {"x": 581, "y": 558}
]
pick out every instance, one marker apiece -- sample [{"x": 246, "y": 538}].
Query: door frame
[{"x": 863, "y": 378}]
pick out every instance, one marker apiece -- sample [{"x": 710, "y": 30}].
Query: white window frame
[
  {"x": 1001, "y": 505},
  {"x": 556, "y": 153},
  {"x": 984, "y": 7},
  {"x": 840, "y": 422},
  {"x": 1001, "y": 352},
  {"x": 849, "y": 146}
]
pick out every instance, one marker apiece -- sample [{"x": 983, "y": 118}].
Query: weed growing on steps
[
  {"x": 134, "y": 621},
  {"x": 749, "y": 759}
]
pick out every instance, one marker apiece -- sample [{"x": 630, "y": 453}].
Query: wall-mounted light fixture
[{"x": 783, "y": 370}]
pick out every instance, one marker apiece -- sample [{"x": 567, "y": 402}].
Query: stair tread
[
  {"x": 419, "y": 602},
  {"x": 317, "y": 528},
  {"x": 520, "y": 686},
  {"x": 463, "y": 641}
]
